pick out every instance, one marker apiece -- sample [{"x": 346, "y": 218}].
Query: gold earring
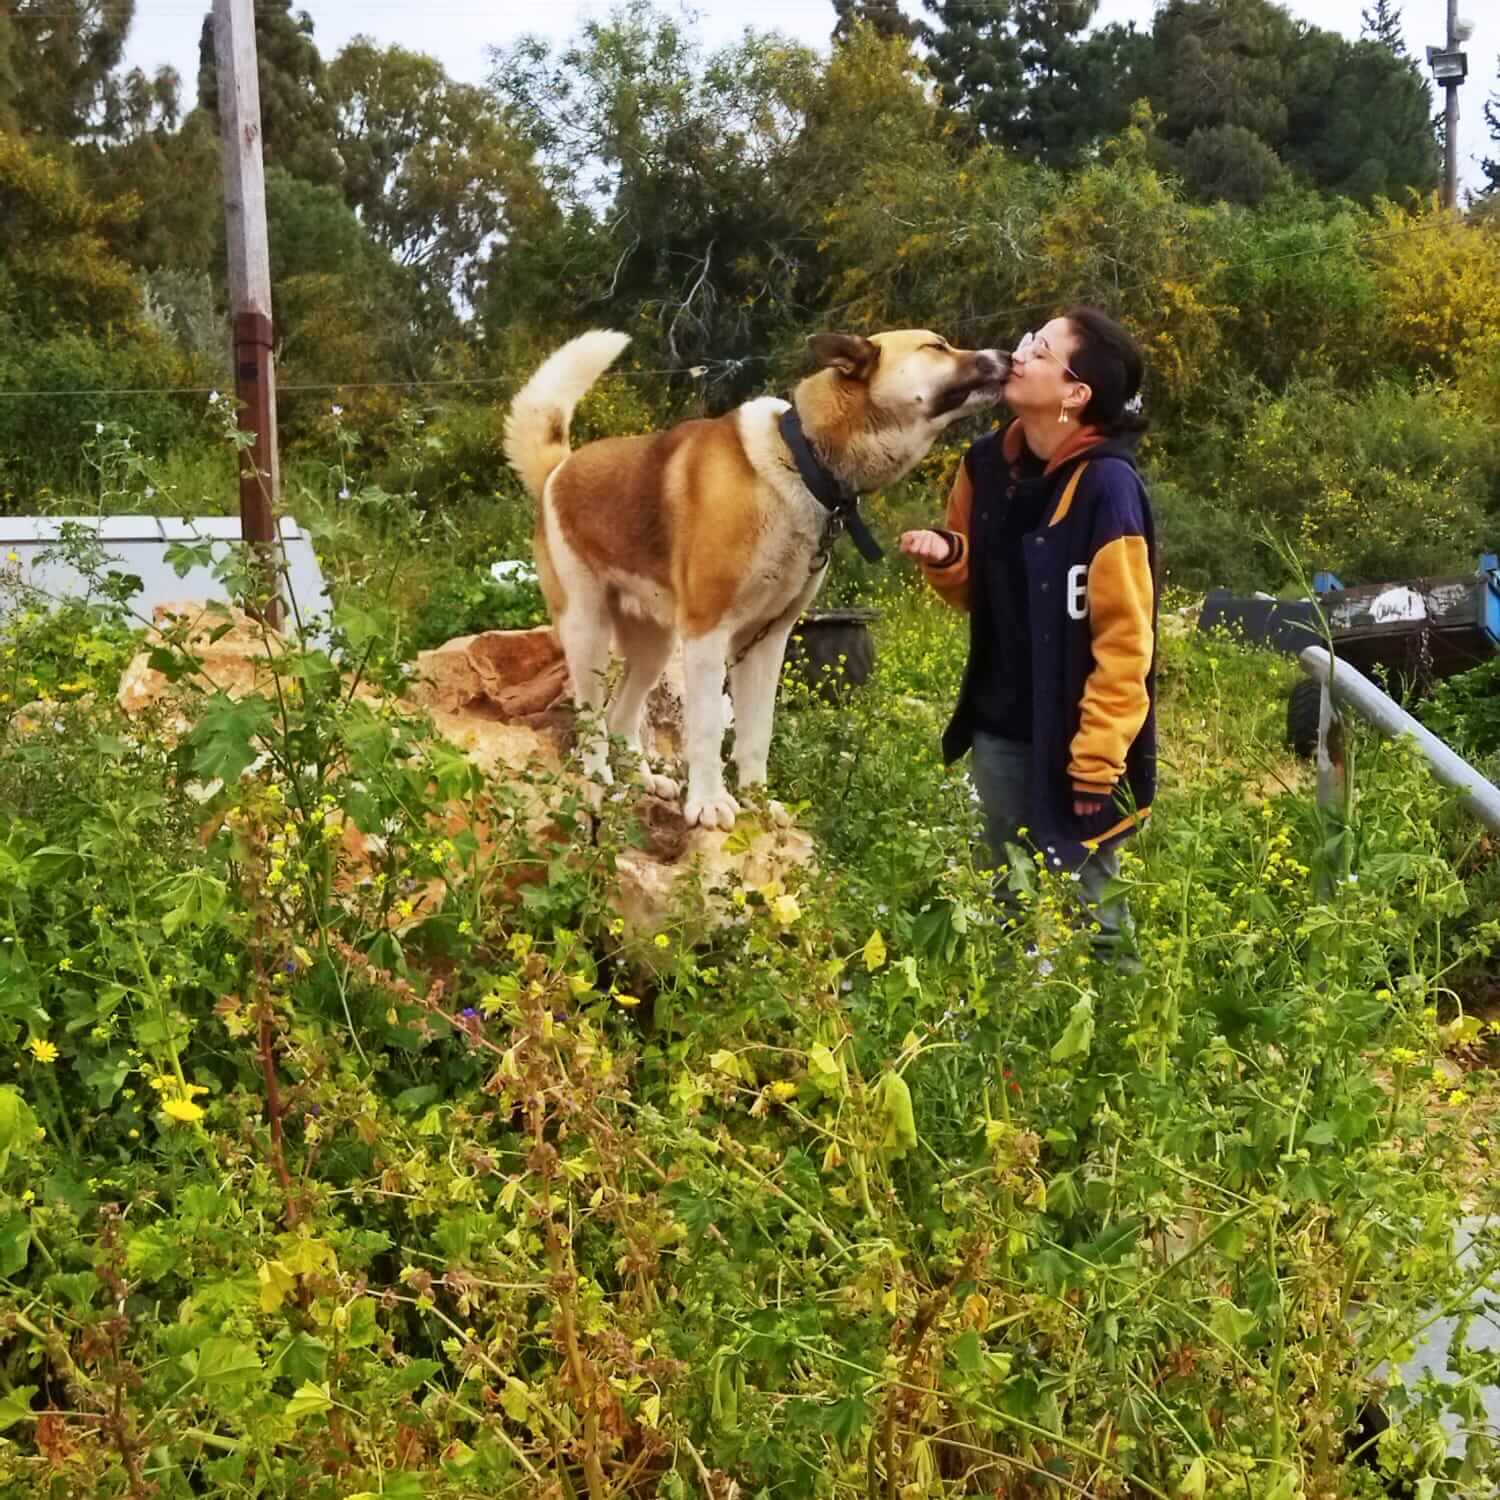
[{"x": 1062, "y": 417}]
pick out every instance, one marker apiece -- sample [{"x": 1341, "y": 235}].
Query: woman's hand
[{"x": 926, "y": 546}]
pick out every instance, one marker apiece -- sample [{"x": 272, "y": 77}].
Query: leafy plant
[{"x": 464, "y": 605}]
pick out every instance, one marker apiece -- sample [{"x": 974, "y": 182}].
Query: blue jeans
[{"x": 1002, "y": 775}]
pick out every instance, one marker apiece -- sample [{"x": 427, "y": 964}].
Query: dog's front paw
[{"x": 719, "y": 810}]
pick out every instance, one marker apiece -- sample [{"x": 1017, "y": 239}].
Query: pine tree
[
  {"x": 1014, "y": 68},
  {"x": 885, "y": 16},
  {"x": 975, "y": 57},
  {"x": 1382, "y": 23},
  {"x": 1490, "y": 166},
  {"x": 58, "y": 61},
  {"x": 297, "y": 117}
]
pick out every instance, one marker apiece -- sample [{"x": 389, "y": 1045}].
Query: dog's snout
[{"x": 992, "y": 364}]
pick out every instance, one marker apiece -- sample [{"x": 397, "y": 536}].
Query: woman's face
[{"x": 1040, "y": 380}]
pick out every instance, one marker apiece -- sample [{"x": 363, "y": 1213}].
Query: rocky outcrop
[{"x": 502, "y": 697}]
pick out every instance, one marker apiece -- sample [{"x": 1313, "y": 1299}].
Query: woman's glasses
[{"x": 1033, "y": 344}]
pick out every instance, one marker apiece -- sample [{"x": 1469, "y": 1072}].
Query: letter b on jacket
[{"x": 1078, "y": 591}]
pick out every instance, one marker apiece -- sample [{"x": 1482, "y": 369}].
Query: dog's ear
[{"x": 855, "y": 356}]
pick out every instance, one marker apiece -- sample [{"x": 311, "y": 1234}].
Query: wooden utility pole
[
  {"x": 249, "y": 288},
  {"x": 1450, "y": 128}
]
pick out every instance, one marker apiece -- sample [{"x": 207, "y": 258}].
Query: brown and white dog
[{"x": 707, "y": 532}]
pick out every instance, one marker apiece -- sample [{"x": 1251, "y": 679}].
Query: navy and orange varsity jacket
[{"x": 1090, "y": 568}]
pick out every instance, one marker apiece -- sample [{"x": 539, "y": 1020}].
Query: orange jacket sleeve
[
  {"x": 1115, "y": 697},
  {"x": 950, "y": 579}
]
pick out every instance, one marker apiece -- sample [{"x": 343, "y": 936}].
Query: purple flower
[
  {"x": 290, "y": 966},
  {"x": 469, "y": 1013}
]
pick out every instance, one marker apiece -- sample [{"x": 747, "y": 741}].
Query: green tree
[
  {"x": 1305, "y": 92},
  {"x": 58, "y": 268},
  {"x": 1021, "y": 74},
  {"x": 1381, "y": 23},
  {"x": 298, "y": 125},
  {"x": 1336, "y": 141},
  {"x": 885, "y": 17},
  {"x": 345, "y": 313},
  {"x": 670, "y": 172},
  {"x": 975, "y": 56},
  {"x": 1222, "y": 62},
  {"x": 58, "y": 61},
  {"x": 1054, "y": 121},
  {"x": 1491, "y": 164},
  {"x": 1228, "y": 163},
  {"x": 432, "y": 167},
  {"x": 1012, "y": 69},
  {"x": 172, "y": 168}
]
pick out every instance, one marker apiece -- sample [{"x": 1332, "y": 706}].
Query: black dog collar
[{"x": 828, "y": 490}]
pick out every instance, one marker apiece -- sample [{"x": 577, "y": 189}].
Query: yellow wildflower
[
  {"x": 43, "y": 1050},
  {"x": 785, "y": 910},
  {"x": 662, "y": 940},
  {"x": 182, "y": 1109}
]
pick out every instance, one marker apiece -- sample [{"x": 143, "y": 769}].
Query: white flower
[
  {"x": 344, "y": 493},
  {"x": 213, "y": 398},
  {"x": 338, "y": 411},
  {"x": 151, "y": 492}
]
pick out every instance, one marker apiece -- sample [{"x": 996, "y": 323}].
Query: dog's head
[
  {"x": 913, "y": 374},
  {"x": 879, "y": 403}
]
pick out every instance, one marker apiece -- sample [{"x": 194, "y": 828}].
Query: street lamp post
[{"x": 1450, "y": 66}]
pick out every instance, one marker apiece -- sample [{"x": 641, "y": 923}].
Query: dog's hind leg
[
  {"x": 645, "y": 645},
  {"x": 584, "y": 631},
  {"x": 708, "y": 802}
]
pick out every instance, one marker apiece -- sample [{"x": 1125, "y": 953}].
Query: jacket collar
[{"x": 1013, "y": 445}]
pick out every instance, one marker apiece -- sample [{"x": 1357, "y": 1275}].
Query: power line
[
  {"x": 717, "y": 369},
  {"x": 720, "y": 369}
]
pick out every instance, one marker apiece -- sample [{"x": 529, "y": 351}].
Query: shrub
[
  {"x": 1374, "y": 485},
  {"x": 464, "y": 604},
  {"x": 42, "y": 436},
  {"x": 1465, "y": 711},
  {"x": 353, "y": 1144}
]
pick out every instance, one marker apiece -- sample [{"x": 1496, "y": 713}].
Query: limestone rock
[
  {"x": 235, "y": 660},
  {"x": 501, "y": 698},
  {"x": 508, "y": 674},
  {"x": 649, "y": 880}
]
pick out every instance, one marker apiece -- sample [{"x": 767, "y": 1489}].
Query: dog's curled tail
[{"x": 536, "y": 427}]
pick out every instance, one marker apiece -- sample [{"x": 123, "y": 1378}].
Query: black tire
[{"x": 1303, "y": 705}]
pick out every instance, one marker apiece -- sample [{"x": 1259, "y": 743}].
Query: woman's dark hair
[{"x": 1109, "y": 362}]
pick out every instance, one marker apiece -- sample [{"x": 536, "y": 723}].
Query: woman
[{"x": 1049, "y": 545}]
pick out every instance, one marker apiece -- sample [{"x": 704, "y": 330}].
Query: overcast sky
[{"x": 459, "y": 34}]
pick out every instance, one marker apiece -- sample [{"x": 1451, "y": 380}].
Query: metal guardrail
[{"x": 1349, "y": 686}]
